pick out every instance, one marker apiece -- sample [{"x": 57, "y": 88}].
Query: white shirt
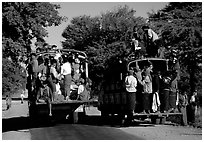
[
  {"x": 54, "y": 72},
  {"x": 152, "y": 35},
  {"x": 66, "y": 68},
  {"x": 131, "y": 83},
  {"x": 80, "y": 89}
]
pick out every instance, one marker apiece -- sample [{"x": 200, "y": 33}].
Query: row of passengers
[
  {"x": 166, "y": 88},
  {"x": 43, "y": 69},
  {"x": 146, "y": 84}
]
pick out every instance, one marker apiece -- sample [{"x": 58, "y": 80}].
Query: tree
[
  {"x": 105, "y": 38},
  {"x": 21, "y": 23},
  {"x": 180, "y": 24}
]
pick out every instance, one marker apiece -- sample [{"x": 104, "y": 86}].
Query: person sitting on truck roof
[
  {"x": 135, "y": 39},
  {"x": 150, "y": 40}
]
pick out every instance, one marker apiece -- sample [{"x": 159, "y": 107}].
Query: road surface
[{"x": 16, "y": 126}]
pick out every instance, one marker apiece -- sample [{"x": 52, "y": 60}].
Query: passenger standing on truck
[
  {"x": 76, "y": 69},
  {"x": 147, "y": 87},
  {"x": 131, "y": 84},
  {"x": 34, "y": 65},
  {"x": 54, "y": 75},
  {"x": 32, "y": 70},
  {"x": 166, "y": 85},
  {"x": 156, "y": 88},
  {"x": 173, "y": 93},
  {"x": 150, "y": 40},
  {"x": 46, "y": 73},
  {"x": 66, "y": 72}
]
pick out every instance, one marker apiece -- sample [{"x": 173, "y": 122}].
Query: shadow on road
[
  {"x": 112, "y": 122},
  {"x": 20, "y": 123}
]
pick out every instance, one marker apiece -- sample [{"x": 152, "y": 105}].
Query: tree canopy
[
  {"x": 105, "y": 38},
  {"x": 21, "y": 23},
  {"x": 180, "y": 25}
]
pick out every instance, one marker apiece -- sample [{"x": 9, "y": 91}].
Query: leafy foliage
[
  {"x": 180, "y": 25},
  {"x": 13, "y": 77},
  {"x": 106, "y": 39},
  {"x": 21, "y": 23}
]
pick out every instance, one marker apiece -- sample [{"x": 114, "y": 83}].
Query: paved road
[{"x": 16, "y": 126}]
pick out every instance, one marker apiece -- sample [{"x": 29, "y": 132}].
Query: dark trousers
[
  {"x": 165, "y": 100},
  {"x": 51, "y": 84},
  {"x": 131, "y": 102},
  {"x": 192, "y": 113},
  {"x": 146, "y": 101},
  {"x": 152, "y": 49},
  {"x": 172, "y": 100}
]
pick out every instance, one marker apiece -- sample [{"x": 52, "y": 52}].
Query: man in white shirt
[
  {"x": 66, "y": 72},
  {"x": 131, "y": 84}
]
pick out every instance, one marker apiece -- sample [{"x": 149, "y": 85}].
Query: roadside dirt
[{"x": 142, "y": 131}]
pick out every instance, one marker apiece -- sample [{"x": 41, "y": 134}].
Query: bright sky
[{"x": 75, "y": 9}]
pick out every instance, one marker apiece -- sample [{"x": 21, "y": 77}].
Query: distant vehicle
[{"x": 60, "y": 109}]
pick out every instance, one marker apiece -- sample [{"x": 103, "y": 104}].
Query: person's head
[
  {"x": 40, "y": 60},
  {"x": 82, "y": 81},
  {"x": 33, "y": 55},
  {"x": 147, "y": 72},
  {"x": 184, "y": 93},
  {"x": 151, "y": 66},
  {"x": 47, "y": 61},
  {"x": 145, "y": 28},
  {"x": 38, "y": 50},
  {"x": 45, "y": 45},
  {"x": 159, "y": 72},
  {"x": 64, "y": 58},
  {"x": 135, "y": 29},
  {"x": 195, "y": 93},
  {"x": 130, "y": 72},
  {"x": 54, "y": 46},
  {"x": 53, "y": 62}
]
